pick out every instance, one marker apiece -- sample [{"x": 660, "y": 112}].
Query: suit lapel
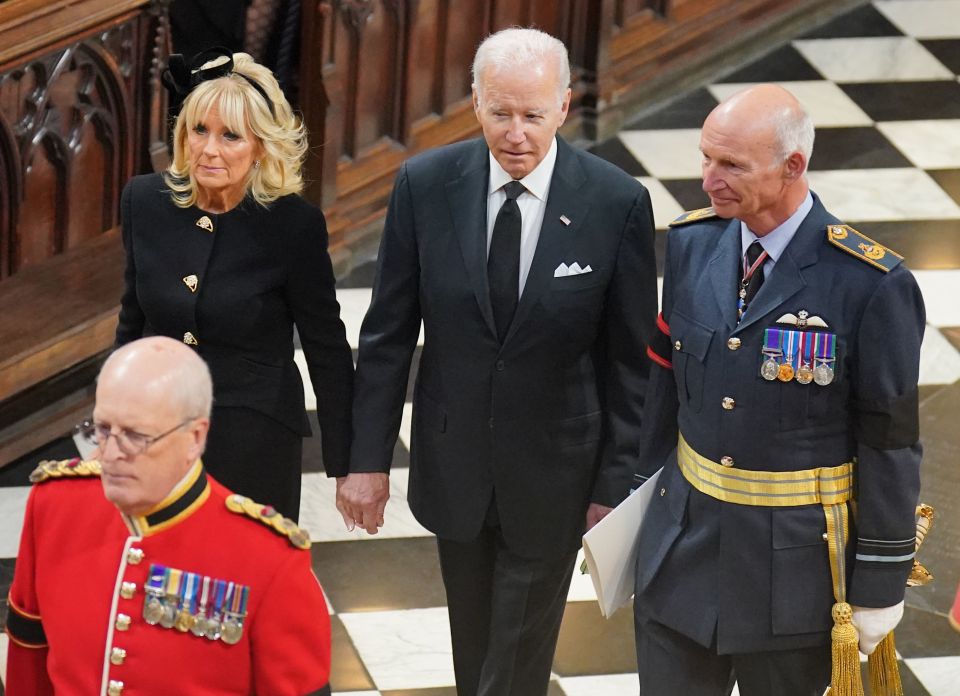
[
  {"x": 722, "y": 270},
  {"x": 467, "y": 198},
  {"x": 555, "y": 237}
]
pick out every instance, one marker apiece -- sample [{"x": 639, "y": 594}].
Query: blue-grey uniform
[{"x": 744, "y": 578}]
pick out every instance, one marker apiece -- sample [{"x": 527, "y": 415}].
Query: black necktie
[
  {"x": 503, "y": 261},
  {"x": 751, "y": 275}
]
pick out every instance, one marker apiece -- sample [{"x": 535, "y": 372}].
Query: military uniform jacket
[
  {"x": 76, "y": 603},
  {"x": 233, "y": 285},
  {"x": 544, "y": 421},
  {"x": 755, "y": 578}
]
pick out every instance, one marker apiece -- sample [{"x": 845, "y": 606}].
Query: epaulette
[
  {"x": 859, "y": 245},
  {"x": 65, "y": 468},
  {"x": 266, "y": 514},
  {"x": 695, "y": 216}
]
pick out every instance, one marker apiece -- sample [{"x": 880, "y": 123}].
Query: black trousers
[
  {"x": 256, "y": 456},
  {"x": 670, "y": 663},
  {"x": 505, "y": 612}
]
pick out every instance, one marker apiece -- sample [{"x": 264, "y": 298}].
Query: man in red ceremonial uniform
[{"x": 139, "y": 574}]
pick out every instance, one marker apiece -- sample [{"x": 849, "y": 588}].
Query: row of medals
[
  {"x": 169, "y": 612},
  {"x": 773, "y": 369}
]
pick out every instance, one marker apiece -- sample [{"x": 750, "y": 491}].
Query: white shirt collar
[{"x": 536, "y": 182}]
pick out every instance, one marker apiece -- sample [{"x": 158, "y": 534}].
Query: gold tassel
[
  {"x": 884, "y": 670},
  {"x": 845, "y": 679}
]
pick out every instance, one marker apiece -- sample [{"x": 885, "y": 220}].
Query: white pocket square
[{"x": 563, "y": 270}]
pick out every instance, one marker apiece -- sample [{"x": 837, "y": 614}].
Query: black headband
[{"x": 180, "y": 78}]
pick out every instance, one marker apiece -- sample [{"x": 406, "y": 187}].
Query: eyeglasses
[{"x": 130, "y": 442}]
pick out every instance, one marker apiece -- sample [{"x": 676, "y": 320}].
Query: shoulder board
[
  {"x": 265, "y": 514},
  {"x": 694, "y": 216},
  {"x": 859, "y": 245},
  {"x": 65, "y": 468}
]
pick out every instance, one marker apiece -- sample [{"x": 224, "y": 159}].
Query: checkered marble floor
[{"x": 881, "y": 83}]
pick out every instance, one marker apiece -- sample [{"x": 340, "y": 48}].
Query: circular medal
[
  {"x": 184, "y": 621},
  {"x": 211, "y": 629},
  {"x": 199, "y": 626},
  {"x": 823, "y": 374},
  {"x": 168, "y": 617},
  {"x": 231, "y": 631},
  {"x": 769, "y": 369},
  {"x": 785, "y": 372},
  {"x": 805, "y": 374},
  {"x": 152, "y": 611}
]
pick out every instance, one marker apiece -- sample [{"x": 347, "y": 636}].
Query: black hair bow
[{"x": 180, "y": 78}]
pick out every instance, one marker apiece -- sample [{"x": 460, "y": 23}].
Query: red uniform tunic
[{"x": 76, "y": 603}]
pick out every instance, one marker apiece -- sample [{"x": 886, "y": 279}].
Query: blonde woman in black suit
[{"x": 224, "y": 254}]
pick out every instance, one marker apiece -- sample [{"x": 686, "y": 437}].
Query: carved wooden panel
[
  {"x": 81, "y": 110},
  {"x": 73, "y": 126}
]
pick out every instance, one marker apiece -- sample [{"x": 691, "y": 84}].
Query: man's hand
[
  {"x": 595, "y": 513},
  {"x": 874, "y": 624},
  {"x": 361, "y": 499}
]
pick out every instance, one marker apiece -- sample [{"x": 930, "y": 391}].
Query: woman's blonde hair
[{"x": 244, "y": 110}]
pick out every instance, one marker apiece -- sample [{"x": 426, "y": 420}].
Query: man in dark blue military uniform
[{"x": 788, "y": 365}]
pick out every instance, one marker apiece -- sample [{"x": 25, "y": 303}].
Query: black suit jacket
[
  {"x": 258, "y": 272},
  {"x": 548, "y": 421}
]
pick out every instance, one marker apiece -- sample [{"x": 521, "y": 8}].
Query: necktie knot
[{"x": 513, "y": 190}]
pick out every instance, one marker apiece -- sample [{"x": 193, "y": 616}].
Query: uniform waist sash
[
  {"x": 831, "y": 487},
  {"x": 825, "y": 485}
]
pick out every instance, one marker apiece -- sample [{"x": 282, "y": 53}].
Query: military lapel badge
[
  {"x": 191, "y": 281},
  {"x": 192, "y": 603},
  {"x": 205, "y": 223}
]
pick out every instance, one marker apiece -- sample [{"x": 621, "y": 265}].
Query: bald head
[
  {"x": 771, "y": 114},
  {"x": 162, "y": 368},
  {"x": 756, "y": 145}
]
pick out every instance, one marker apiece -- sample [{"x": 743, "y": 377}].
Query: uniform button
[
  {"x": 123, "y": 622},
  {"x": 500, "y": 365},
  {"x": 726, "y": 460},
  {"x": 825, "y": 537},
  {"x": 117, "y": 656},
  {"x": 134, "y": 556},
  {"x": 728, "y": 403},
  {"x": 490, "y": 423},
  {"x": 733, "y": 343},
  {"x": 190, "y": 339},
  {"x": 114, "y": 688},
  {"x": 663, "y": 492},
  {"x": 677, "y": 345},
  {"x": 128, "y": 590}
]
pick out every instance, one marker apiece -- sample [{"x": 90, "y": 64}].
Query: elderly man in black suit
[{"x": 531, "y": 265}]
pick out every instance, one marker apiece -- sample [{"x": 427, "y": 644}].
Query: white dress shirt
[{"x": 532, "y": 203}]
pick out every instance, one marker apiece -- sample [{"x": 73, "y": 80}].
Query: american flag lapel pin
[{"x": 564, "y": 219}]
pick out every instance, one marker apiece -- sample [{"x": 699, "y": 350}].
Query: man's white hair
[
  {"x": 795, "y": 132},
  {"x": 513, "y": 48}
]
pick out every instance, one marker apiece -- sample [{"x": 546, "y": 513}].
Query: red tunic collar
[{"x": 186, "y": 498}]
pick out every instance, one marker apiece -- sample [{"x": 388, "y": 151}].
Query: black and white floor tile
[{"x": 881, "y": 83}]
